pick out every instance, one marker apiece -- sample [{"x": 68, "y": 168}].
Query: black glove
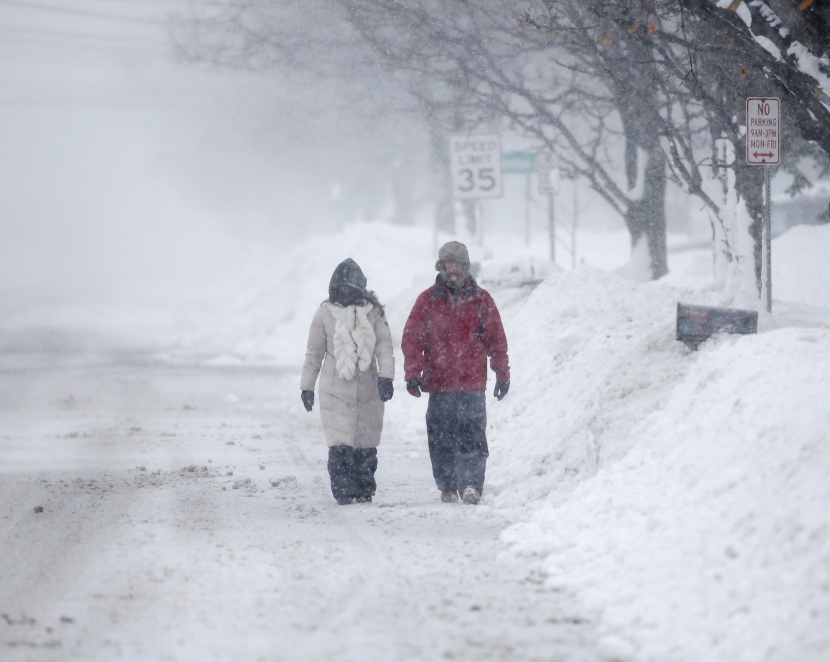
[
  {"x": 385, "y": 388},
  {"x": 501, "y": 389},
  {"x": 413, "y": 386},
  {"x": 308, "y": 399}
]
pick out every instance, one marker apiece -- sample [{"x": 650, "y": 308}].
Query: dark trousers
[
  {"x": 456, "y": 432},
  {"x": 352, "y": 471}
]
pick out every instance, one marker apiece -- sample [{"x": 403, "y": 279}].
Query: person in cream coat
[{"x": 350, "y": 350}]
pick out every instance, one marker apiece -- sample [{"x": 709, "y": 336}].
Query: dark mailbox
[{"x": 697, "y": 323}]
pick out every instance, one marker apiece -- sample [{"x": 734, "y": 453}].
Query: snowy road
[{"x": 186, "y": 515}]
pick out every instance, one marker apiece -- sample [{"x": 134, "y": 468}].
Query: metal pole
[
  {"x": 768, "y": 235},
  {"x": 480, "y": 224},
  {"x": 551, "y": 232},
  {"x": 527, "y": 211},
  {"x": 573, "y": 228}
]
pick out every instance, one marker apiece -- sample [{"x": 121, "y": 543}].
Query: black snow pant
[
  {"x": 352, "y": 472},
  {"x": 456, "y": 432}
]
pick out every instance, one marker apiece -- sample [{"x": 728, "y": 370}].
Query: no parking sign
[{"x": 763, "y": 131}]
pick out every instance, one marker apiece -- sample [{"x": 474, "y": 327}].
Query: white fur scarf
[{"x": 354, "y": 339}]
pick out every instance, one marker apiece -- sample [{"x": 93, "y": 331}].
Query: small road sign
[
  {"x": 763, "y": 131},
  {"x": 518, "y": 163},
  {"x": 476, "y": 166}
]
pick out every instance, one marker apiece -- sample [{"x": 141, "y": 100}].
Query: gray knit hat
[{"x": 452, "y": 251}]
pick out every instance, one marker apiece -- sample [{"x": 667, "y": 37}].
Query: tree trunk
[
  {"x": 749, "y": 180},
  {"x": 646, "y": 213},
  {"x": 402, "y": 195},
  {"x": 749, "y": 184},
  {"x": 470, "y": 217},
  {"x": 441, "y": 181}
]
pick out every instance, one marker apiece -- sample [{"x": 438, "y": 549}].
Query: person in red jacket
[{"x": 453, "y": 328}]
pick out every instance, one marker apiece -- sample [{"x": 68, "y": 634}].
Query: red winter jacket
[{"x": 448, "y": 337}]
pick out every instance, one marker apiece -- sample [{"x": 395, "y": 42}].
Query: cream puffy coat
[{"x": 352, "y": 411}]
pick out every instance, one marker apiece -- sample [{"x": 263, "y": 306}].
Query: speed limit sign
[{"x": 476, "y": 166}]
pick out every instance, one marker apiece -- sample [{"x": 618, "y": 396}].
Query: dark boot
[
  {"x": 365, "y": 465},
  {"x": 341, "y": 473}
]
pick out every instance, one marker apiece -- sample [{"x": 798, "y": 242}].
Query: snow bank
[
  {"x": 682, "y": 495},
  {"x": 716, "y": 517},
  {"x": 591, "y": 356}
]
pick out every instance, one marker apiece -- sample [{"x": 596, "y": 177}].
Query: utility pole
[{"x": 547, "y": 168}]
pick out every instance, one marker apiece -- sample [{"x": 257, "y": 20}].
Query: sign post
[
  {"x": 763, "y": 147},
  {"x": 547, "y": 166},
  {"x": 521, "y": 163}
]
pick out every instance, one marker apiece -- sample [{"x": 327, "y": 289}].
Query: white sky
[{"x": 124, "y": 173}]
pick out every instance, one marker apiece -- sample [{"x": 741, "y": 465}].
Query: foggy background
[
  {"x": 142, "y": 172},
  {"x": 128, "y": 176}
]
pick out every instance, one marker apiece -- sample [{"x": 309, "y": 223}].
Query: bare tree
[
  {"x": 566, "y": 93},
  {"x": 704, "y": 60},
  {"x": 334, "y": 107},
  {"x": 625, "y": 92}
]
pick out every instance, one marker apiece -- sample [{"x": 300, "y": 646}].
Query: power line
[
  {"x": 188, "y": 3},
  {"x": 24, "y": 47},
  {"x": 20, "y": 32},
  {"x": 64, "y": 101},
  {"x": 57, "y": 52},
  {"x": 80, "y": 12}
]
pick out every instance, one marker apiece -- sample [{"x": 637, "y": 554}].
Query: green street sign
[{"x": 518, "y": 163}]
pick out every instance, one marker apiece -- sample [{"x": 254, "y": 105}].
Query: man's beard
[{"x": 455, "y": 281}]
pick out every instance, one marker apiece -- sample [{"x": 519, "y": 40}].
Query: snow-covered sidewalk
[{"x": 186, "y": 515}]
